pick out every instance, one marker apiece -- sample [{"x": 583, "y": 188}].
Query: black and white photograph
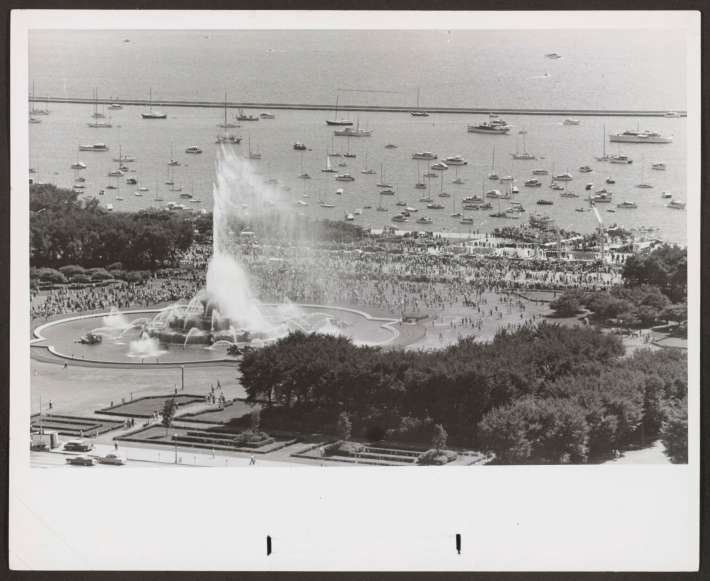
[{"x": 431, "y": 249}]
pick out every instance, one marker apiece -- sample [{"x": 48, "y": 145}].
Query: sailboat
[
  {"x": 327, "y": 168},
  {"x": 604, "y": 156},
  {"x": 97, "y": 115},
  {"x": 225, "y": 123},
  {"x": 332, "y": 152},
  {"x": 172, "y": 161},
  {"x": 366, "y": 170},
  {"x": 303, "y": 175},
  {"x": 524, "y": 154},
  {"x": 420, "y": 185},
  {"x": 337, "y": 121},
  {"x": 418, "y": 112},
  {"x": 382, "y": 183},
  {"x": 150, "y": 114},
  {"x": 348, "y": 154},
  {"x": 157, "y": 197},
  {"x": 442, "y": 193},
  {"x": 253, "y": 154},
  {"x": 35, "y": 110},
  {"x": 381, "y": 208},
  {"x": 226, "y": 137},
  {"x": 457, "y": 180},
  {"x": 643, "y": 183},
  {"x": 493, "y": 175}
]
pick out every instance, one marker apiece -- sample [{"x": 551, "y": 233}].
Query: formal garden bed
[
  {"x": 237, "y": 408},
  {"x": 145, "y": 407},
  {"x": 74, "y": 425},
  {"x": 248, "y": 441}
]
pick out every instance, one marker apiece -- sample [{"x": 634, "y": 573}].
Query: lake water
[{"x": 599, "y": 70}]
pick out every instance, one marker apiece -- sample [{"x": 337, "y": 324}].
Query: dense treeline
[
  {"x": 66, "y": 231},
  {"x": 540, "y": 395},
  {"x": 665, "y": 267},
  {"x": 655, "y": 286}
]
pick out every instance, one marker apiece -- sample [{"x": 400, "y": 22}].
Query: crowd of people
[{"x": 391, "y": 279}]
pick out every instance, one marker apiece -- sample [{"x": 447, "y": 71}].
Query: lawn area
[
  {"x": 235, "y": 409},
  {"x": 73, "y": 425},
  {"x": 145, "y": 407}
]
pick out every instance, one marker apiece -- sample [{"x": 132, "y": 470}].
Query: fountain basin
[{"x": 60, "y": 336}]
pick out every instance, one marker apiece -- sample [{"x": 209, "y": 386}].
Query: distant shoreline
[{"x": 359, "y": 108}]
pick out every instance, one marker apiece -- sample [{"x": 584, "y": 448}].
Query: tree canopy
[{"x": 67, "y": 231}]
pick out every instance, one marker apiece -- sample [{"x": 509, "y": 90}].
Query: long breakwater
[{"x": 360, "y": 108}]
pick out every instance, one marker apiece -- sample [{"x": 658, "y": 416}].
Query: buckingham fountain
[{"x": 224, "y": 313}]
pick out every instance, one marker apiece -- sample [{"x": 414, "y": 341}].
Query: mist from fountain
[{"x": 145, "y": 347}]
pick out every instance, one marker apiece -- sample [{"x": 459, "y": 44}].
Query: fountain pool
[{"x": 124, "y": 338}]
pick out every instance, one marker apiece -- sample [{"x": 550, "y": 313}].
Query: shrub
[
  {"x": 51, "y": 275},
  {"x": 436, "y": 457},
  {"x": 101, "y": 274},
  {"x": 71, "y": 270},
  {"x": 115, "y": 266},
  {"x": 80, "y": 278},
  {"x": 674, "y": 433}
]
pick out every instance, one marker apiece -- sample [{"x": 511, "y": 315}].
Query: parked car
[
  {"x": 112, "y": 458},
  {"x": 81, "y": 461},
  {"x": 78, "y": 446},
  {"x": 39, "y": 446}
]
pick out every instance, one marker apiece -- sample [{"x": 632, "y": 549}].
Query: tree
[
  {"x": 169, "y": 409},
  {"x": 439, "y": 438},
  {"x": 674, "y": 433},
  {"x": 344, "y": 426},
  {"x": 255, "y": 419},
  {"x": 567, "y": 304}
]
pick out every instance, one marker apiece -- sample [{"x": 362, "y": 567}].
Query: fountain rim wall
[{"x": 388, "y": 324}]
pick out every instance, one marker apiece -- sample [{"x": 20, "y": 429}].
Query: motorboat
[
  {"x": 601, "y": 198},
  {"x": 100, "y": 124},
  {"x": 533, "y": 183},
  {"x": 637, "y": 136},
  {"x": 420, "y": 186},
  {"x": 490, "y": 128},
  {"x": 339, "y": 192},
  {"x": 345, "y": 177},
  {"x": 585, "y": 169},
  {"x": 621, "y": 159},
  {"x": 34, "y": 120},
  {"x": 666, "y": 195},
  {"x": 193, "y": 149},
  {"x": 543, "y": 202},
  {"x": 399, "y": 218},
  {"x": 495, "y": 194},
  {"x": 429, "y": 174},
  {"x": 143, "y": 189},
  {"x": 94, "y": 147},
  {"x": 458, "y": 181},
  {"x": 241, "y": 116},
  {"x": 567, "y": 194},
  {"x": 138, "y": 194},
  {"x": 387, "y": 192},
  {"x": 435, "y": 206},
  {"x": 424, "y": 155},
  {"x": 455, "y": 160},
  {"x": 610, "y": 180},
  {"x": 515, "y": 190},
  {"x": 301, "y": 203},
  {"x": 77, "y": 165},
  {"x": 266, "y": 115},
  {"x": 659, "y": 166},
  {"x": 298, "y": 146},
  {"x": 553, "y": 55},
  {"x": 349, "y": 217},
  {"x": 466, "y": 221},
  {"x": 115, "y": 173},
  {"x": 304, "y": 176},
  {"x": 627, "y": 205},
  {"x": 676, "y": 204},
  {"x": 570, "y": 122},
  {"x": 557, "y": 187},
  {"x": 540, "y": 172},
  {"x": 440, "y": 166},
  {"x": 563, "y": 177},
  {"x": 424, "y": 220},
  {"x": 355, "y": 132}
]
